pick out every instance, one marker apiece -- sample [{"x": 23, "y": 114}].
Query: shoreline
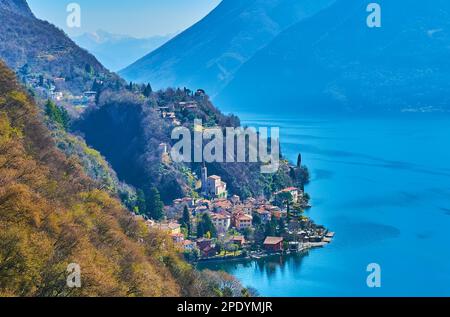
[{"x": 263, "y": 255}]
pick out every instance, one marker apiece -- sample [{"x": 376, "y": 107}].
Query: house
[
  {"x": 222, "y": 222},
  {"x": 295, "y": 193},
  {"x": 222, "y": 205},
  {"x": 188, "y": 202},
  {"x": 243, "y": 221},
  {"x": 200, "y": 210},
  {"x": 206, "y": 248},
  {"x": 204, "y": 243},
  {"x": 170, "y": 228},
  {"x": 273, "y": 244},
  {"x": 208, "y": 252},
  {"x": 277, "y": 213},
  {"x": 188, "y": 245},
  {"x": 162, "y": 148},
  {"x": 239, "y": 240},
  {"x": 264, "y": 214},
  {"x": 215, "y": 187},
  {"x": 57, "y": 95},
  {"x": 90, "y": 95},
  {"x": 235, "y": 199},
  {"x": 177, "y": 238},
  {"x": 187, "y": 105}
]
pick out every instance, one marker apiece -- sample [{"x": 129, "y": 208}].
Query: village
[
  {"x": 215, "y": 226},
  {"x": 218, "y": 227},
  {"x": 55, "y": 89}
]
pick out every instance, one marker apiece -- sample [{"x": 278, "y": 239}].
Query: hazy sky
[{"x": 139, "y": 18}]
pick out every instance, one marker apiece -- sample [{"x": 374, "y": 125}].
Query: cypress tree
[{"x": 155, "y": 207}]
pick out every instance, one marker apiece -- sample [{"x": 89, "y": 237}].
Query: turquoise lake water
[{"x": 383, "y": 185}]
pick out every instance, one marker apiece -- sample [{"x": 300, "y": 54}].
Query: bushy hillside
[
  {"x": 52, "y": 215},
  {"x": 209, "y": 53},
  {"x": 33, "y": 46},
  {"x": 128, "y": 128}
]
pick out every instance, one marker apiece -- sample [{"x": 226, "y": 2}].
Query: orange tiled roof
[{"x": 273, "y": 240}]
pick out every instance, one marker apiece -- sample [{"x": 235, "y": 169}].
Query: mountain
[
  {"x": 34, "y": 47},
  {"x": 333, "y": 62},
  {"x": 53, "y": 215},
  {"x": 129, "y": 129},
  {"x": 209, "y": 53},
  {"x": 19, "y": 7},
  {"x": 118, "y": 51}
]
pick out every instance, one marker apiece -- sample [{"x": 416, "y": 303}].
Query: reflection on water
[{"x": 265, "y": 268}]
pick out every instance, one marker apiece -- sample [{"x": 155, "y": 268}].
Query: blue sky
[{"x": 139, "y": 18}]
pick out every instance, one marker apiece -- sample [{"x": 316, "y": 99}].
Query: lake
[{"x": 383, "y": 185}]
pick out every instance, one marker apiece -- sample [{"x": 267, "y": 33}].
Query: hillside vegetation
[
  {"x": 127, "y": 128},
  {"x": 52, "y": 214},
  {"x": 32, "y": 46}
]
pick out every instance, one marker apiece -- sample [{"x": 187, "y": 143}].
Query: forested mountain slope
[
  {"x": 52, "y": 215},
  {"x": 32, "y": 46}
]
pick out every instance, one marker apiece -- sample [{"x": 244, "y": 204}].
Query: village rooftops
[
  {"x": 222, "y": 204},
  {"x": 239, "y": 239},
  {"x": 220, "y": 216},
  {"x": 287, "y": 190},
  {"x": 243, "y": 217},
  {"x": 168, "y": 226},
  {"x": 273, "y": 240}
]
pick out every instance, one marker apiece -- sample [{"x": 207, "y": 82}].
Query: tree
[
  {"x": 256, "y": 220},
  {"x": 140, "y": 202},
  {"x": 206, "y": 226},
  {"x": 147, "y": 90},
  {"x": 155, "y": 207},
  {"x": 89, "y": 69},
  {"x": 271, "y": 228},
  {"x": 185, "y": 221},
  {"x": 286, "y": 199},
  {"x": 57, "y": 114}
]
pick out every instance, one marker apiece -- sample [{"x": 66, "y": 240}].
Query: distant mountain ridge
[
  {"x": 333, "y": 62},
  {"x": 117, "y": 51},
  {"x": 208, "y": 54}
]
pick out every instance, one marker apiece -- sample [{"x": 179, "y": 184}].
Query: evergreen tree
[
  {"x": 89, "y": 69},
  {"x": 155, "y": 207},
  {"x": 147, "y": 90},
  {"x": 271, "y": 228},
  {"x": 140, "y": 202},
  {"x": 206, "y": 226},
  {"x": 186, "y": 220},
  {"x": 57, "y": 114}
]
